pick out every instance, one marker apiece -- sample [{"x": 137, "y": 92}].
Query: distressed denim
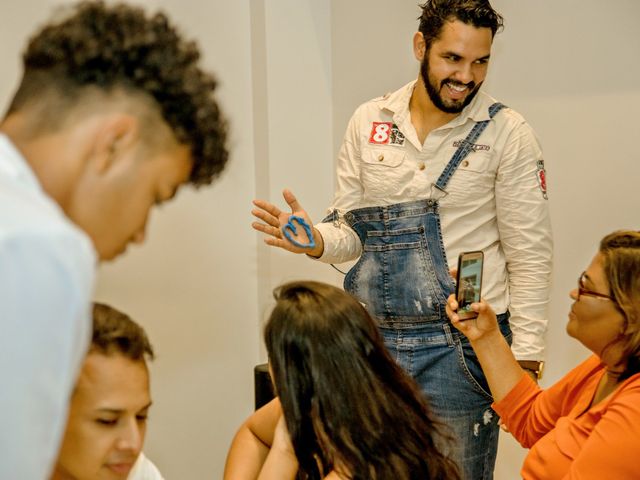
[
  {"x": 402, "y": 275},
  {"x": 445, "y": 366},
  {"x": 402, "y": 278}
]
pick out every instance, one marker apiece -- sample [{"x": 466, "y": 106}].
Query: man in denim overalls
[{"x": 424, "y": 173}]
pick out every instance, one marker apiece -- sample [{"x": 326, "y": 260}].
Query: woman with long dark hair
[{"x": 345, "y": 409}]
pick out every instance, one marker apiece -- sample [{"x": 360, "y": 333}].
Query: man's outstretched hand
[{"x": 273, "y": 221}]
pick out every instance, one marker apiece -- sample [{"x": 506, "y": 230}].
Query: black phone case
[{"x": 467, "y": 316}]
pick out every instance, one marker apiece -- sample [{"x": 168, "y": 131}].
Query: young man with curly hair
[{"x": 112, "y": 115}]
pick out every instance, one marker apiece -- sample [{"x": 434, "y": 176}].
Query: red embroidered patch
[
  {"x": 542, "y": 178},
  {"x": 380, "y": 133}
]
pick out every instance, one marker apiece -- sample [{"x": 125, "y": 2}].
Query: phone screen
[{"x": 469, "y": 284}]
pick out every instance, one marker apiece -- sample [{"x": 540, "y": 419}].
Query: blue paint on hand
[{"x": 290, "y": 229}]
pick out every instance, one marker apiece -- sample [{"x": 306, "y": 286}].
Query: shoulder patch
[{"x": 542, "y": 178}]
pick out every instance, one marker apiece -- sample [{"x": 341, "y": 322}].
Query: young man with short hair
[
  {"x": 112, "y": 115},
  {"x": 109, "y": 406}
]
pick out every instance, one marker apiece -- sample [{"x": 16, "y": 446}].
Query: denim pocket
[
  {"x": 399, "y": 239},
  {"x": 469, "y": 361},
  {"x": 471, "y": 367},
  {"x": 389, "y": 278}
]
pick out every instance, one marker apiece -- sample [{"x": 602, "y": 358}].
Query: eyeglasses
[{"x": 590, "y": 293}]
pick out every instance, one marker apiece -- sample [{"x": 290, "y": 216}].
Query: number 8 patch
[{"x": 380, "y": 133}]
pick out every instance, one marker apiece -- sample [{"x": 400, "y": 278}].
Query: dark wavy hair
[
  {"x": 620, "y": 251},
  {"x": 478, "y": 13},
  {"x": 348, "y": 406},
  {"x": 118, "y": 47},
  {"x": 115, "y": 332}
]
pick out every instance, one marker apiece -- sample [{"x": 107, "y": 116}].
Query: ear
[
  {"x": 419, "y": 46},
  {"x": 117, "y": 134}
]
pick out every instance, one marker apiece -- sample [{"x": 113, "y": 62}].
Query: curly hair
[
  {"x": 478, "y": 13},
  {"x": 118, "y": 47},
  {"x": 115, "y": 332},
  {"x": 621, "y": 254}
]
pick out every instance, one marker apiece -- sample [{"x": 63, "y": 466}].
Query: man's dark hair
[
  {"x": 478, "y": 13},
  {"x": 115, "y": 333},
  {"x": 118, "y": 47}
]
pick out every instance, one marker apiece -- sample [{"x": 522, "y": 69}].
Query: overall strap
[{"x": 465, "y": 147}]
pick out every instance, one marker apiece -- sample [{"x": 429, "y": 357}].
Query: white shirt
[
  {"x": 46, "y": 279},
  {"x": 144, "y": 469},
  {"x": 496, "y": 200}
]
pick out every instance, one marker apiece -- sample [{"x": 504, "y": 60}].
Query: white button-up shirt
[
  {"x": 144, "y": 469},
  {"x": 46, "y": 280},
  {"x": 496, "y": 200}
]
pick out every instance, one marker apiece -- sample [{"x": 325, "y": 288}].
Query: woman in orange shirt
[{"x": 587, "y": 425}]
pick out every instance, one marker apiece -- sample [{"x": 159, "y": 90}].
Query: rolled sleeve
[
  {"x": 341, "y": 243},
  {"x": 525, "y": 236}
]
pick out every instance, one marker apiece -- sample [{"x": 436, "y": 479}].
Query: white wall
[
  {"x": 291, "y": 72},
  {"x": 292, "y": 123},
  {"x": 567, "y": 66},
  {"x": 193, "y": 284}
]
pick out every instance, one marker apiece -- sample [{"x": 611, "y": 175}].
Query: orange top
[{"x": 569, "y": 440}]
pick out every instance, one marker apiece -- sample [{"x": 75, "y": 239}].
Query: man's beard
[{"x": 451, "y": 106}]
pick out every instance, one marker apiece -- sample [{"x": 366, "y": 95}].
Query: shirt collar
[
  {"x": 398, "y": 104},
  {"x": 14, "y": 165}
]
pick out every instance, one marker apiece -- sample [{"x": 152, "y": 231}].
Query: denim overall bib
[{"x": 403, "y": 279}]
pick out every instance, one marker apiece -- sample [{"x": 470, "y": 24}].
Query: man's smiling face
[{"x": 455, "y": 65}]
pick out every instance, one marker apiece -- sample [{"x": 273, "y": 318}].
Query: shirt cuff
[
  {"x": 341, "y": 243},
  {"x": 528, "y": 344}
]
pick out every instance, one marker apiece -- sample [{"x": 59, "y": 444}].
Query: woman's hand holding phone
[
  {"x": 468, "y": 313},
  {"x": 483, "y": 325},
  {"x": 469, "y": 282}
]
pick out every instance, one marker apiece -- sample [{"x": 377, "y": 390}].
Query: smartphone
[{"x": 469, "y": 283}]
